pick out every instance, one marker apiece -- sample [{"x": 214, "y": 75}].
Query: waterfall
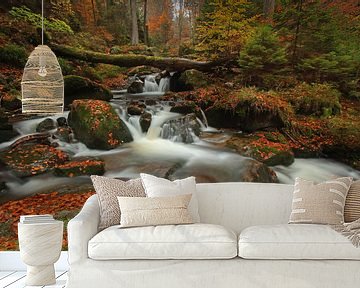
[
  {"x": 150, "y": 84},
  {"x": 164, "y": 84}
]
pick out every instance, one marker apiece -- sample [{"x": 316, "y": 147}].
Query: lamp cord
[{"x": 42, "y": 22}]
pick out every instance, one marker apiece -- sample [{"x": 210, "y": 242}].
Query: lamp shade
[{"x": 42, "y": 85}]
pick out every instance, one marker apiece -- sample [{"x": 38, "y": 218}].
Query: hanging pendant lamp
[{"x": 42, "y": 85}]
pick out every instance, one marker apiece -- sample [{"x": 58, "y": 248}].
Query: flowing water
[{"x": 161, "y": 149}]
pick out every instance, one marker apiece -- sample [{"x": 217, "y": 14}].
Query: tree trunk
[
  {"x": 134, "y": 26},
  {"x": 94, "y": 12},
  {"x": 181, "y": 18},
  {"x": 166, "y": 63},
  {"x": 146, "y": 34},
  {"x": 297, "y": 32},
  {"x": 268, "y": 9}
]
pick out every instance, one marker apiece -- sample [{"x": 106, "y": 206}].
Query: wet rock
[
  {"x": 270, "y": 148},
  {"x": 32, "y": 159},
  {"x": 182, "y": 129},
  {"x": 11, "y": 102},
  {"x": 136, "y": 87},
  {"x": 6, "y": 129},
  {"x": 243, "y": 118},
  {"x": 61, "y": 122},
  {"x": 187, "y": 107},
  {"x": 2, "y": 187},
  {"x": 79, "y": 167},
  {"x": 63, "y": 134},
  {"x": 76, "y": 87},
  {"x": 46, "y": 125},
  {"x": 194, "y": 79},
  {"x": 96, "y": 124},
  {"x": 256, "y": 171},
  {"x": 145, "y": 121},
  {"x": 134, "y": 109},
  {"x": 150, "y": 102}
]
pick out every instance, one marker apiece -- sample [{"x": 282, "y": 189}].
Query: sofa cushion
[
  {"x": 295, "y": 241},
  {"x": 145, "y": 211},
  {"x": 321, "y": 203},
  {"x": 192, "y": 241},
  {"x": 160, "y": 187}
]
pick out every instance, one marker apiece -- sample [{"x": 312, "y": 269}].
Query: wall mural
[{"x": 271, "y": 95}]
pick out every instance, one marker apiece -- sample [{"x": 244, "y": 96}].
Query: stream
[{"x": 162, "y": 148}]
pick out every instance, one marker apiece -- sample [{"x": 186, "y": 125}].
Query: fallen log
[{"x": 122, "y": 60}]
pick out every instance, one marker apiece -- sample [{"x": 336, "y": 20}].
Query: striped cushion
[
  {"x": 352, "y": 204},
  {"x": 319, "y": 203}
]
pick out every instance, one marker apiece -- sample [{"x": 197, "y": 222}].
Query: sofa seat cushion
[
  {"x": 295, "y": 241},
  {"x": 191, "y": 241}
]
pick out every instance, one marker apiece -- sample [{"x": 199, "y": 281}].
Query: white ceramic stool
[{"x": 40, "y": 246}]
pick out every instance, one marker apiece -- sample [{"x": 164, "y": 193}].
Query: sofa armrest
[{"x": 82, "y": 228}]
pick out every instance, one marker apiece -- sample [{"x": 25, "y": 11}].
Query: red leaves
[{"x": 38, "y": 204}]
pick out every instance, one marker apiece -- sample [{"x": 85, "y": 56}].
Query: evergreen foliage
[{"x": 262, "y": 54}]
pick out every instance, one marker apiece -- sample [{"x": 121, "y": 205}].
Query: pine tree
[{"x": 263, "y": 54}]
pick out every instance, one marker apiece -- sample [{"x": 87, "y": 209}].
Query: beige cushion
[
  {"x": 352, "y": 203},
  {"x": 159, "y": 187},
  {"x": 139, "y": 211},
  {"x": 107, "y": 190},
  {"x": 319, "y": 203}
]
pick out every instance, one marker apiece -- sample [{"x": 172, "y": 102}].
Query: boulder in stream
[
  {"x": 136, "y": 87},
  {"x": 96, "y": 124},
  {"x": 76, "y": 87},
  {"x": 145, "y": 121},
  {"x": 32, "y": 159},
  {"x": 46, "y": 125},
  {"x": 182, "y": 129},
  {"x": 11, "y": 102},
  {"x": 79, "y": 167}
]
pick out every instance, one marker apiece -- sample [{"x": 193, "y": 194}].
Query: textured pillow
[
  {"x": 352, "y": 203},
  {"x": 139, "y": 211},
  {"x": 107, "y": 190},
  {"x": 160, "y": 187},
  {"x": 319, "y": 203}
]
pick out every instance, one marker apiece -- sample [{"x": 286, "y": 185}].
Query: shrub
[
  {"x": 25, "y": 14},
  {"x": 13, "y": 54},
  {"x": 314, "y": 99}
]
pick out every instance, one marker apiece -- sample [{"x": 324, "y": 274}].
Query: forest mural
[{"x": 227, "y": 91}]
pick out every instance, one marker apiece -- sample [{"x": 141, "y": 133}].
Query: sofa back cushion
[
  {"x": 242, "y": 204},
  {"x": 144, "y": 211},
  {"x": 321, "y": 203},
  {"x": 160, "y": 187},
  {"x": 352, "y": 203},
  {"x": 107, "y": 189}
]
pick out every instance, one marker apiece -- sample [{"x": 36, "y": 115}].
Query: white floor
[
  {"x": 16, "y": 279},
  {"x": 13, "y": 271}
]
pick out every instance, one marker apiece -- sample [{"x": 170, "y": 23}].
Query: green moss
[
  {"x": 5, "y": 229},
  {"x": 314, "y": 99},
  {"x": 13, "y": 55}
]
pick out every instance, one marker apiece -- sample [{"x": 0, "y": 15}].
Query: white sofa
[{"x": 278, "y": 254}]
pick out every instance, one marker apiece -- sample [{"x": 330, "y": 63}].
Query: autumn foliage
[{"x": 51, "y": 203}]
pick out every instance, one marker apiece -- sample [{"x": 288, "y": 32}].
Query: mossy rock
[
  {"x": 320, "y": 100},
  {"x": 79, "y": 167},
  {"x": 33, "y": 159},
  {"x": 96, "y": 124},
  {"x": 76, "y": 87},
  {"x": 193, "y": 79},
  {"x": 11, "y": 101}
]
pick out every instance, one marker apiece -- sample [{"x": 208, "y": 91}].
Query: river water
[{"x": 151, "y": 152}]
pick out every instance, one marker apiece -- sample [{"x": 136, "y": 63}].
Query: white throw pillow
[{"x": 160, "y": 187}]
